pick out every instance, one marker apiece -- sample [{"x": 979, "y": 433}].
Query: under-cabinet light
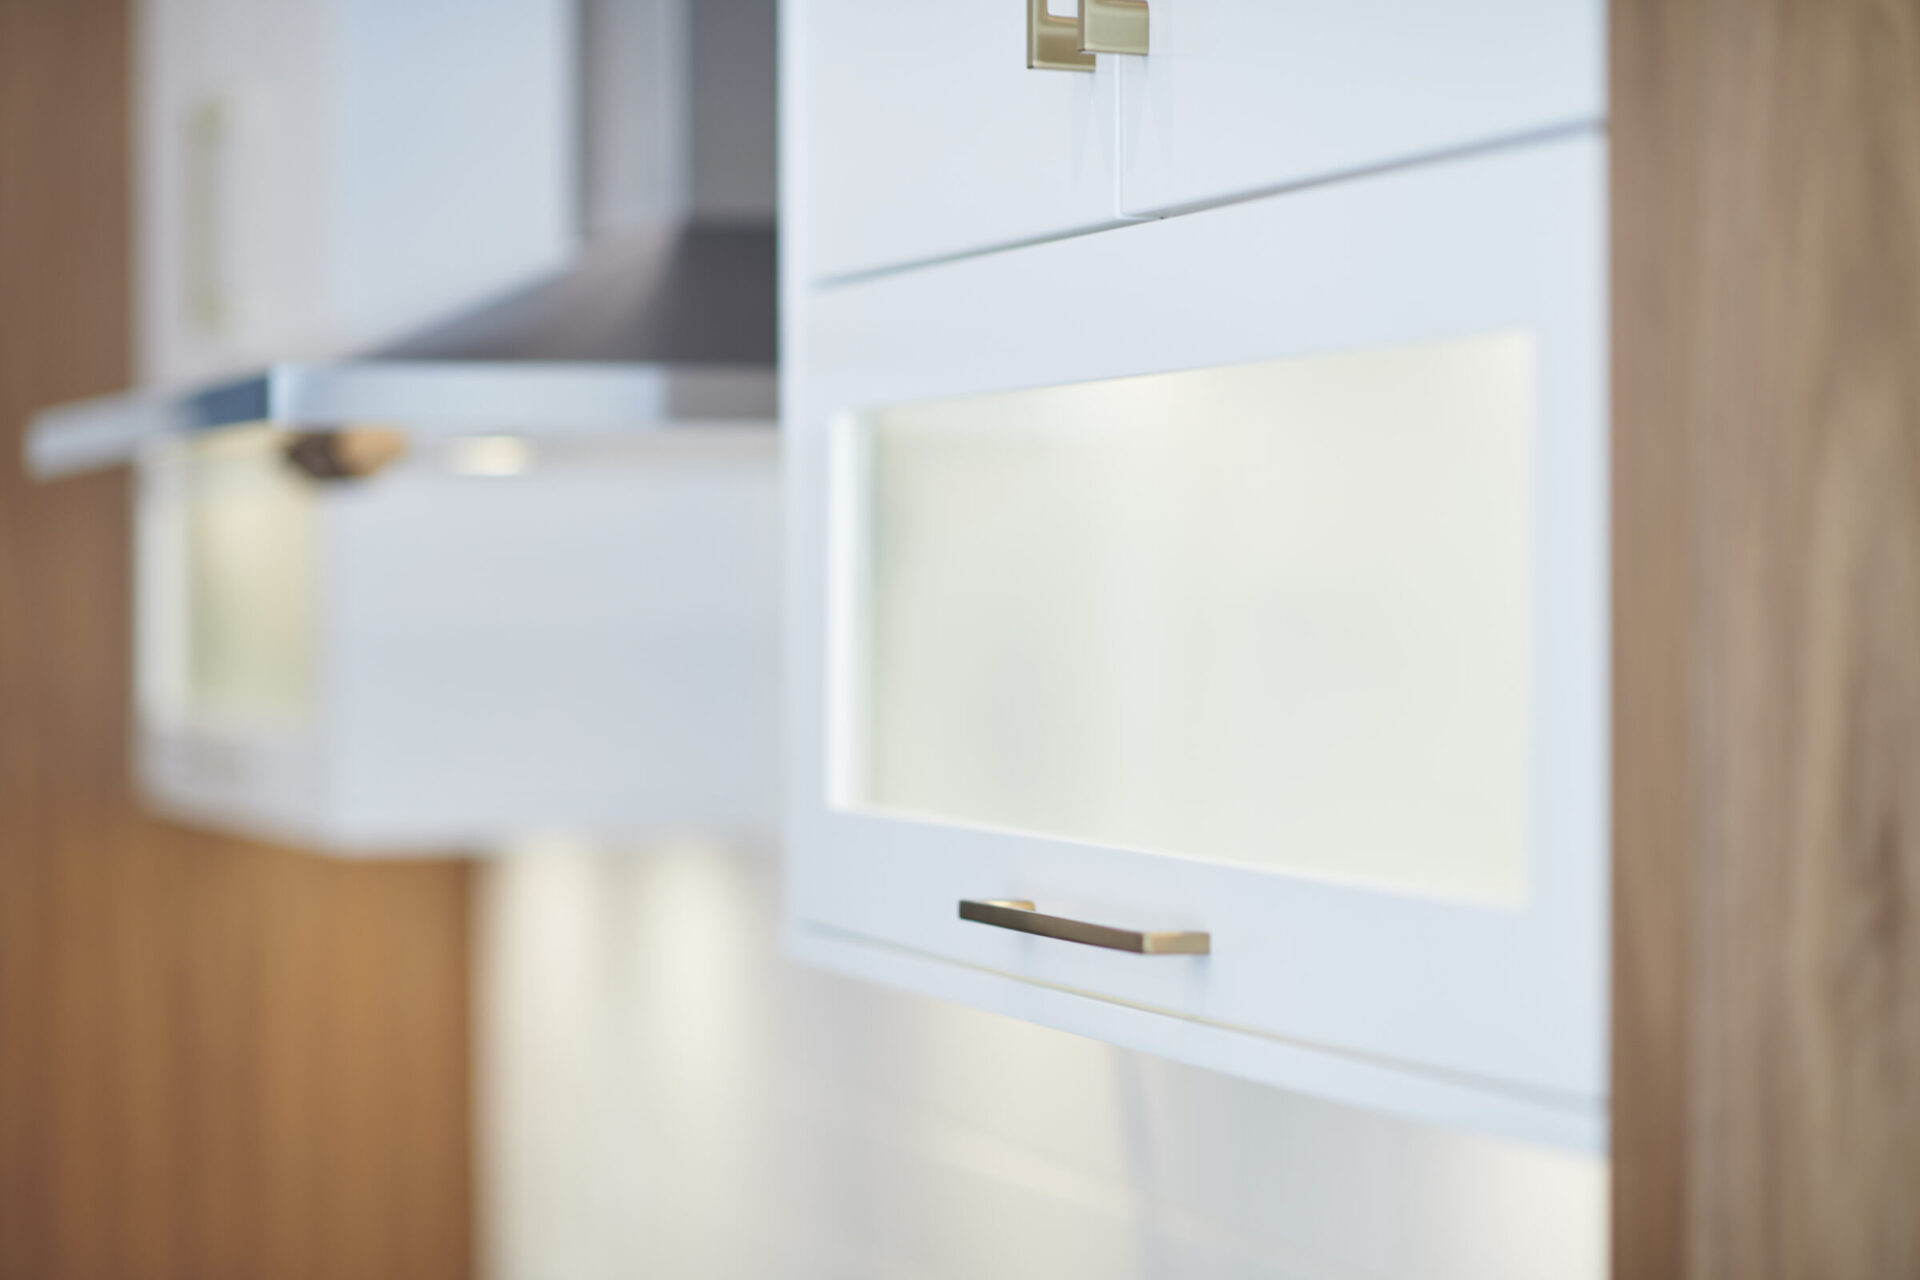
[{"x": 489, "y": 456}]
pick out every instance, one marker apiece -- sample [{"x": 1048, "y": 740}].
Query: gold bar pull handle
[
  {"x": 1113, "y": 26},
  {"x": 1053, "y": 44},
  {"x": 1020, "y": 915}
]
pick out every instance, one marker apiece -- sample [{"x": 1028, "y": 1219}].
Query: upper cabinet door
[
  {"x": 317, "y": 177},
  {"x": 926, "y": 135},
  {"x": 1244, "y": 96},
  {"x": 1240, "y": 573}
]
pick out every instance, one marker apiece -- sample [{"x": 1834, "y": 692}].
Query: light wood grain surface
[
  {"x": 1767, "y": 468},
  {"x": 215, "y": 1059}
]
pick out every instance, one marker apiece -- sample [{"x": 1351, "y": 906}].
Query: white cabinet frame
[{"x": 1492, "y": 1017}]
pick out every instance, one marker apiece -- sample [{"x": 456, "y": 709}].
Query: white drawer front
[
  {"x": 923, "y": 134},
  {"x": 1243, "y": 96}
]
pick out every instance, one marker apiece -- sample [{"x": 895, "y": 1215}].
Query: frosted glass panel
[
  {"x": 250, "y": 526},
  {"x": 1274, "y": 614}
]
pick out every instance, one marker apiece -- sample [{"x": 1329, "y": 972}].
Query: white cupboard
[
  {"x": 1197, "y": 632},
  {"x": 317, "y": 177},
  {"x": 924, "y": 134},
  {"x": 499, "y": 636}
]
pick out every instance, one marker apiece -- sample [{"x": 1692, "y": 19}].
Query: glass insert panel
[
  {"x": 249, "y": 541},
  {"x": 1273, "y": 614}
]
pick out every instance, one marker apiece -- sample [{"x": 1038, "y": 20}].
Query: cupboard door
[
  {"x": 923, "y": 133},
  {"x": 1243, "y": 96},
  {"x": 1240, "y": 573},
  {"x": 495, "y": 637},
  {"x": 322, "y": 176}
]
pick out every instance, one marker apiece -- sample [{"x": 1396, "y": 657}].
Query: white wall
[{"x": 660, "y": 1094}]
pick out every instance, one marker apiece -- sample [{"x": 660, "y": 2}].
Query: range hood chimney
[
  {"x": 676, "y": 160},
  {"x": 666, "y": 313}
]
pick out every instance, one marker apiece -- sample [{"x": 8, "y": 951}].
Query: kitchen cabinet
[
  {"x": 1240, "y": 96},
  {"x": 498, "y": 635},
  {"x": 925, "y": 134},
  {"x": 318, "y": 177},
  {"x": 1197, "y": 635}
]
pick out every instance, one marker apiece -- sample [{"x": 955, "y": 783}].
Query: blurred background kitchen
[
  {"x": 290, "y": 986},
  {"x": 390, "y": 779}
]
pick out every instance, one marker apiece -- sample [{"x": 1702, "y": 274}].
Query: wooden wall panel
[
  {"x": 216, "y": 1059},
  {"x": 1767, "y": 469}
]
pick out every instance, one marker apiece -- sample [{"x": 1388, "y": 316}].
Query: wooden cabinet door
[
  {"x": 920, "y": 132},
  {"x": 1244, "y": 96},
  {"x": 1245, "y": 573}
]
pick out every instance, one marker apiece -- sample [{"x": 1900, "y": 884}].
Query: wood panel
[
  {"x": 1767, "y": 469},
  {"x": 215, "y": 1059}
]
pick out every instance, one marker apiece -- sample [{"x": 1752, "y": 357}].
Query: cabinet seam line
[{"x": 1548, "y": 135}]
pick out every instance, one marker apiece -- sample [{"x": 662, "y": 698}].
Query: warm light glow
[
  {"x": 244, "y": 528},
  {"x": 489, "y": 456},
  {"x": 1277, "y": 614}
]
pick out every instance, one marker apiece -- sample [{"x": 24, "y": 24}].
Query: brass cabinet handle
[
  {"x": 207, "y": 199},
  {"x": 1113, "y": 26},
  {"x": 1068, "y": 44},
  {"x": 1053, "y": 44},
  {"x": 1019, "y": 914}
]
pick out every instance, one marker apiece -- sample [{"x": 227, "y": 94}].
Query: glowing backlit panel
[
  {"x": 251, "y": 581},
  {"x": 1273, "y": 614}
]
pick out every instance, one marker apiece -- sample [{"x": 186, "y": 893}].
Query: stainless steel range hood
[{"x": 666, "y": 315}]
